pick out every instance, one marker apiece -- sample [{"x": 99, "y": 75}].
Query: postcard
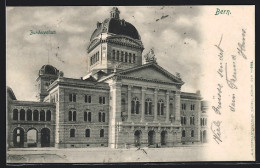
[{"x": 117, "y": 84}]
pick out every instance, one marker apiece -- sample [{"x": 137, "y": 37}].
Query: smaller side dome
[{"x": 48, "y": 70}]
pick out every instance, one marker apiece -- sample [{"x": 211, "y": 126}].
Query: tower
[
  {"x": 115, "y": 43},
  {"x": 47, "y": 74}
]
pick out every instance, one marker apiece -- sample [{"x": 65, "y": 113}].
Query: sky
[{"x": 173, "y": 32}]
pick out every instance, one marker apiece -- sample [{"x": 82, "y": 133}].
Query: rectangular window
[
  {"x": 87, "y": 99},
  {"x": 72, "y": 133},
  {"x": 87, "y": 132},
  {"x": 72, "y": 97},
  {"x": 133, "y": 58},
  {"x": 85, "y": 116},
  {"x": 102, "y": 100}
]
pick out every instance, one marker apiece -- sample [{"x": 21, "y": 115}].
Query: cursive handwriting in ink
[
  {"x": 242, "y": 46},
  {"x": 231, "y": 82},
  {"x": 220, "y": 57},
  {"x": 232, "y": 106},
  {"x": 215, "y": 128},
  {"x": 217, "y": 109}
]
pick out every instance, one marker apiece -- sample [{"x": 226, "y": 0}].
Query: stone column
[
  {"x": 18, "y": 119},
  {"x": 155, "y": 103},
  {"x": 143, "y": 103},
  {"x": 177, "y": 107},
  {"x": 129, "y": 103},
  {"x": 167, "y": 106},
  {"x": 25, "y": 115}
]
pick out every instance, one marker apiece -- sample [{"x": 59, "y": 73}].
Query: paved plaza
[{"x": 105, "y": 155}]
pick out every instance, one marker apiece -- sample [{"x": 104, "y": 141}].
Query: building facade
[{"x": 123, "y": 101}]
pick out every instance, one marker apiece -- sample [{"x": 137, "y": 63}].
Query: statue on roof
[{"x": 150, "y": 56}]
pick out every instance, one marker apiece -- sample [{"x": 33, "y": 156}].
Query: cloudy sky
[{"x": 173, "y": 32}]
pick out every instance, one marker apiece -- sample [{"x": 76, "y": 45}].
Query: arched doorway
[
  {"x": 151, "y": 138},
  {"x": 45, "y": 137},
  {"x": 137, "y": 138},
  {"x": 204, "y": 136},
  {"x": 32, "y": 138},
  {"x": 18, "y": 137},
  {"x": 163, "y": 137}
]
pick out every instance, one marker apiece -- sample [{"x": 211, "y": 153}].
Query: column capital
[
  {"x": 168, "y": 92},
  {"x": 130, "y": 87},
  {"x": 178, "y": 92},
  {"x": 156, "y": 90},
  {"x": 144, "y": 88}
]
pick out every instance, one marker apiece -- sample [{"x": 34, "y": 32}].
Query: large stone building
[{"x": 124, "y": 100}]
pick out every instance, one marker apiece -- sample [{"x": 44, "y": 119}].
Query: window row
[
  {"x": 183, "y": 120},
  {"x": 192, "y": 106},
  {"x": 203, "y": 121},
  {"x": 94, "y": 58},
  {"x": 87, "y": 116},
  {"x": 184, "y": 133},
  {"x": 123, "y": 56},
  {"x": 87, "y": 133},
  {"x": 32, "y": 116},
  {"x": 73, "y": 98},
  {"x": 135, "y": 104}
]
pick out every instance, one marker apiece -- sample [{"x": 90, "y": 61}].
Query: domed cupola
[
  {"x": 48, "y": 70},
  {"x": 46, "y": 76},
  {"x": 114, "y": 41},
  {"x": 114, "y": 13}
]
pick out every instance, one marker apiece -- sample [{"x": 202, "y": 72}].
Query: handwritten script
[{"x": 228, "y": 79}]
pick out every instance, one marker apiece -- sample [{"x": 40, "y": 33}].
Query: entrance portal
[
  {"x": 151, "y": 137},
  {"x": 204, "y": 136},
  {"x": 32, "y": 138},
  {"x": 45, "y": 137},
  {"x": 137, "y": 138},
  {"x": 18, "y": 137},
  {"x": 163, "y": 137}
]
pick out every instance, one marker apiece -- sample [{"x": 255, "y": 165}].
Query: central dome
[{"x": 115, "y": 25}]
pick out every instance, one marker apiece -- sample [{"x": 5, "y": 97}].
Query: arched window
[
  {"x": 102, "y": 133},
  {"x": 35, "y": 115},
  {"x": 70, "y": 115},
  {"x": 192, "y": 133},
  {"x": 42, "y": 115},
  {"x": 148, "y": 106},
  {"x": 122, "y": 56},
  {"x": 113, "y": 55},
  {"x": 22, "y": 114},
  {"x": 135, "y": 106},
  {"x": 160, "y": 108},
  {"x": 29, "y": 115},
  {"x": 126, "y": 57},
  {"x": 74, "y": 116},
  {"x": 89, "y": 116},
  {"x": 72, "y": 132},
  {"x": 48, "y": 115},
  {"x": 104, "y": 117},
  {"x": 15, "y": 114},
  {"x": 183, "y": 133},
  {"x": 99, "y": 117},
  {"x": 85, "y": 116},
  {"x": 130, "y": 57},
  {"x": 87, "y": 133}
]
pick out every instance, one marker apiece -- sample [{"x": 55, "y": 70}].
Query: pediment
[{"x": 151, "y": 73}]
